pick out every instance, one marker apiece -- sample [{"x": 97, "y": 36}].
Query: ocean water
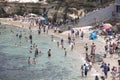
[{"x": 14, "y": 64}]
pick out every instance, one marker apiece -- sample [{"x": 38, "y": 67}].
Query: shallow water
[{"x": 13, "y": 59}]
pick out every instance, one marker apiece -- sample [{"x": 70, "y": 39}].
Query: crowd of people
[{"x": 112, "y": 47}]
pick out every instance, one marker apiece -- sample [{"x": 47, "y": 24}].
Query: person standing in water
[
  {"x": 30, "y": 37},
  {"x": 30, "y": 49},
  {"x": 58, "y": 44},
  {"x": 34, "y": 45},
  {"x": 72, "y": 46},
  {"x": 49, "y": 53},
  {"x": 65, "y": 51},
  {"x": 29, "y": 60},
  {"x": 62, "y": 43},
  {"x": 34, "y": 60},
  {"x": 36, "y": 51},
  {"x": 39, "y": 31},
  {"x": 52, "y": 37},
  {"x": 44, "y": 29},
  {"x": 69, "y": 38}
]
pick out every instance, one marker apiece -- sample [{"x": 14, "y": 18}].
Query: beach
[{"x": 78, "y": 48}]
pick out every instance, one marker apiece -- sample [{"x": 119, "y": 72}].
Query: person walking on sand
[
  {"x": 82, "y": 35},
  {"x": 111, "y": 51},
  {"x": 114, "y": 73},
  {"x": 86, "y": 47},
  {"x": 49, "y": 53},
  {"x": 105, "y": 70},
  {"x": 85, "y": 70},
  {"x": 106, "y": 48},
  {"x": 82, "y": 71},
  {"x": 93, "y": 48},
  {"x": 87, "y": 57}
]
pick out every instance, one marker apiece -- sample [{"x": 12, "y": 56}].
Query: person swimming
[
  {"x": 17, "y": 35},
  {"x": 20, "y": 37},
  {"x": 26, "y": 38}
]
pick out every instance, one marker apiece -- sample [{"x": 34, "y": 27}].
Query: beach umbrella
[
  {"x": 93, "y": 36},
  {"x": 41, "y": 18},
  {"x": 107, "y": 26},
  {"x": 32, "y": 15}
]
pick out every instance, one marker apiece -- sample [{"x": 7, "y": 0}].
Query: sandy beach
[{"x": 78, "y": 48}]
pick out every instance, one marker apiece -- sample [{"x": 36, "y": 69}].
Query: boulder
[{"x": 98, "y": 58}]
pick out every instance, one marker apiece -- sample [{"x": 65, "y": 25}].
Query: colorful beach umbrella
[{"x": 107, "y": 26}]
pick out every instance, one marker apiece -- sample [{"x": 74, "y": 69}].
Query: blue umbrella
[
  {"x": 93, "y": 36},
  {"x": 42, "y": 19}
]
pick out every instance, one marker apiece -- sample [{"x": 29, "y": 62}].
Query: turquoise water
[{"x": 13, "y": 59}]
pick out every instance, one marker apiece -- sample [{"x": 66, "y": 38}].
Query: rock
[
  {"x": 60, "y": 31},
  {"x": 98, "y": 58}
]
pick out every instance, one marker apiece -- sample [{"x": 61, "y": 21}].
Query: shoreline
[{"x": 62, "y": 35}]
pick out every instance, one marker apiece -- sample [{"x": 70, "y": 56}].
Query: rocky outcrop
[{"x": 7, "y": 9}]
